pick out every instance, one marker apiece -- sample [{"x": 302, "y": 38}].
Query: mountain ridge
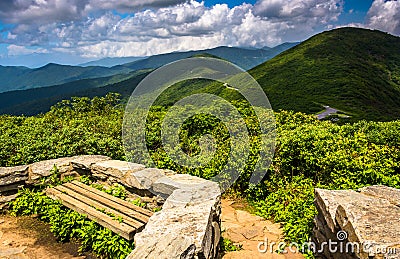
[
  {"x": 354, "y": 70},
  {"x": 21, "y": 78}
]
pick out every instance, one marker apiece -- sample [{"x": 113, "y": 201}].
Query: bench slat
[
  {"x": 97, "y": 205},
  {"x": 114, "y": 199},
  {"x": 106, "y": 221},
  {"x": 107, "y": 202}
]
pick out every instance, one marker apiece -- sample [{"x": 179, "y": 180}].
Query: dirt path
[
  {"x": 249, "y": 230},
  {"x": 26, "y": 237}
]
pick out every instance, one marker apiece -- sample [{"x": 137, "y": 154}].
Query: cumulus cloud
[
  {"x": 384, "y": 15},
  {"x": 15, "y": 50},
  {"x": 170, "y": 25},
  {"x": 321, "y": 11},
  {"x": 129, "y": 5},
  {"x": 39, "y": 11}
]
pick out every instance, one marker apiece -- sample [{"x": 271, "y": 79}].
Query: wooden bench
[{"x": 113, "y": 213}]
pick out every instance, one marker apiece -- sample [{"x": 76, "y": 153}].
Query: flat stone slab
[
  {"x": 45, "y": 168},
  {"x": 191, "y": 222},
  {"x": 384, "y": 192},
  {"x": 190, "y": 213},
  {"x": 167, "y": 185},
  {"x": 144, "y": 179},
  {"x": 116, "y": 168},
  {"x": 12, "y": 175},
  {"x": 369, "y": 218},
  {"x": 86, "y": 162},
  {"x": 174, "y": 245},
  {"x": 207, "y": 193},
  {"x": 65, "y": 164}
]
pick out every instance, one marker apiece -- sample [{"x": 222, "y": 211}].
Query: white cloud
[
  {"x": 15, "y": 50},
  {"x": 129, "y": 5},
  {"x": 321, "y": 11},
  {"x": 384, "y": 15},
  {"x": 174, "y": 25},
  {"x": 39, "y": 11}
]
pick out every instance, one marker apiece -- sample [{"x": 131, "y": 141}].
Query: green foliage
[
  {"x": 77, "y": 127},
  {"x": 115, "y": 190},
  {"x": 350, "y": 69},
  {"x": 67, "y": 224},
  {"x": 308, "y": 153},
  {"x": 291, "y": 202},
  {"x": 313, "y": 154},
  {"x": 139, "y": 203},
  {"x": 227, "y": 245}
]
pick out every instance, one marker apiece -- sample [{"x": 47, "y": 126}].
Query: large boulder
[
  {"x": 367, "y": 221},
  {"x": 191, "y": 214}
]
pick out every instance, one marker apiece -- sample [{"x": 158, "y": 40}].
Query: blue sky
[{"x": 36, "y": 32}]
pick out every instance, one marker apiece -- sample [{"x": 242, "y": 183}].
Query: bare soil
[
  {"x": 28, "y": 237},
  {"x": 247, "y": 230}
]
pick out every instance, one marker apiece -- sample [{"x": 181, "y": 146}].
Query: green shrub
[
  {"x": 67, "y": 224},
  {"x": 308, "y": 153}
]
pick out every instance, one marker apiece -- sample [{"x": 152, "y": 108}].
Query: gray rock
[
  {"x": 165, "y": 186},
  {"x": 115, "y": 168},
  {"x": 12, "y": 175},
  {"x": 327, "y": 202},
  {"x": 145, "y": 178},
  {"x": 165, "y": 246},
  {"x": 85, "y": 163},
  {"x": 64, "y": 165},
  {"x": 367, "y": 218},
  {"x": 370, "y": 220},
  {"x": 199, "y": 194},
  {"x": 384, "y": 192},
  {"x": 45, "y": 168},
  {"x": 188, "y": 212},
  {"x": 193, "y": 222}
]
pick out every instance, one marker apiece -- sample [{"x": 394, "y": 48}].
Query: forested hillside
[{"x": 354, "y": 70}]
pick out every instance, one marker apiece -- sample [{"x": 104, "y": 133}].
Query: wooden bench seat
[{"x": 113, "y": 213}]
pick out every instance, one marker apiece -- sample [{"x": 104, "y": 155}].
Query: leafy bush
[
  {"x": 77, "y": 127},
  {"x": 308, "y": 153},
  {"x": 227, "y": 245},
  {"x": 313, "y": 154},
  {"x": 67, "y": 224}
]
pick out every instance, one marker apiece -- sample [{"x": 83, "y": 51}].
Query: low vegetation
[
  {"x": 67, "y": 224},
  {"x": 308, "y": 154}
]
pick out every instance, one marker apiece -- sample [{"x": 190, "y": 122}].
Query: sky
[{"x": 36, "y": 32}]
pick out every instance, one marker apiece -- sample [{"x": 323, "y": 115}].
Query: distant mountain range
[
  {"x": 356, "y": 71},
  {"x": 242, "y": 57},
  {"x": 110, "y": 62},
  {"x": 22, "y": 78}
]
